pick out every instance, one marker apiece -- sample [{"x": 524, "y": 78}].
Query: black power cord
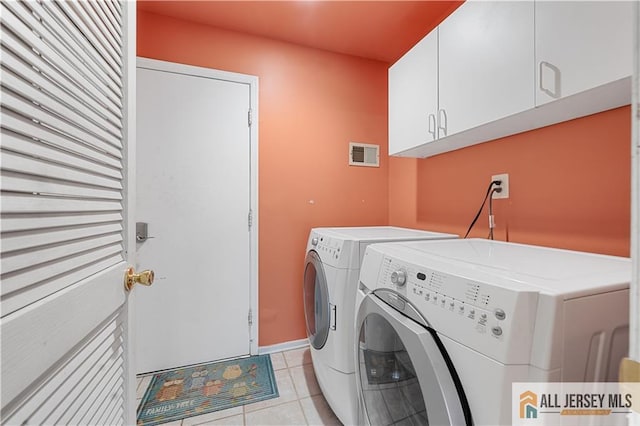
[
  {"x": 492, "y": 223},
  {"x": 487, "y": 195}
]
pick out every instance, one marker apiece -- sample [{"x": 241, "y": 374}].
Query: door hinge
[
  {"x": 250, "y": 318},
  {"x": 249, "y": 117},
  {"x": 250, "y": 219}
]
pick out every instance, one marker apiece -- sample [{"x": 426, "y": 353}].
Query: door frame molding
[
  {"x": 130, "y": 122},
  {"x": 252, "y": 82}
]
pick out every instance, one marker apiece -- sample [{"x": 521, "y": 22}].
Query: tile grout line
[
  {"x": 295, "y": 388},
  {"x": 306, "y": 420}
]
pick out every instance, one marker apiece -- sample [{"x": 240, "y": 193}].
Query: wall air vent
[{"x": 363, "y": 154}]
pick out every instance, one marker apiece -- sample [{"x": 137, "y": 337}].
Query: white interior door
[
  {"x": 194, "y": 192},
  {"x": 67, "y": 73}
]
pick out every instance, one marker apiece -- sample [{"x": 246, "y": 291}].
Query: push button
[
  {"x": 499, "y": 313},
  {"x": 497, "y": 330}
]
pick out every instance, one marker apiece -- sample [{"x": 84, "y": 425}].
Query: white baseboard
[{"x": 280, "y": 347}]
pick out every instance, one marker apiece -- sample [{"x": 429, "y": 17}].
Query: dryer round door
[
  {"x": 403, "y": 373},
  {"x": 316, "y": 301}
]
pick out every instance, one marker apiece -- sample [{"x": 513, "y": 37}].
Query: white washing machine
[
  {"x": 332, "y": 267},
  {"x": 444, "y": 328}
]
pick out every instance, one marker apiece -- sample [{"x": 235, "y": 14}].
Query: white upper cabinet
[
  {"x": 486, "y": 64},
  {"x": 413, "y": 96},
  {"x": 506, "y": 67},
  {"x": 581, "y": 45}
]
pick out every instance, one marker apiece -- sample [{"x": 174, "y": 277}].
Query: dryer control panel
[
  {"x": 334, "y": 252},
  {"x": 491, "y": 319}
]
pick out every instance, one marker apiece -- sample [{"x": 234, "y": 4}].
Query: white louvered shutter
[{"x": 65, "y": 108}]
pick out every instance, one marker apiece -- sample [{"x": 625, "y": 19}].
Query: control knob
[{"x": 399, "y": 277}]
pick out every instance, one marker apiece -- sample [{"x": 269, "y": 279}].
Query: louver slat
[
  {"x": 87, "y": 43},
  {"x": 62, "y": 210},
  {"x": 89, "y": 382},
  {"x": 88, "y": 376},
  {"x": 32, "y": 131},
  {"x": 26, "y": 89},
  {"x": 38, "y": 167},
  {"x": 39, "y": 81},
  {"x": 56, "y": 53},
  {"x": 42, "y": 237},
  {"x": 103, "y": 404},
  {"x": 61, "y": 156},
  {"x": 105, "y": 14},
  {"x": 107, "y": 59},
  {"x": 16, "y": 183},
  {"x": 40, "y": 203},
  {"x": 114, "y": 43},
  {"x": 82, "y": 376},
  {"x": 115, "y": 12},
  {"x": 12, "y": 223},
  {"x": 38, "y": 273},
  {"x": 28, "y": 295},
  {"x": 49, "y": 119},
  {"x": 27, "y": 146},
  {"x": 63, "y": 76},
  {"x": 22, "y": 260}
]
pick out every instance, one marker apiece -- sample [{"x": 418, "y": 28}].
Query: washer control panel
[
  {"x": 399, "y": 277},
  {"x": 492, "y": 319},
  {"x": 330, "y": 249}
]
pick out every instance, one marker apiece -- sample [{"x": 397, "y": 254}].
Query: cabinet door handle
[
  {"x": 555, "y": 93},
  {"x": 432, "y": 126},
  {"x": 442, "y": 120}
]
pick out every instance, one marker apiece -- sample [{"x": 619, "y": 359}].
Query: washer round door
[
  {"x": 403, "y": 372},
  {"x": 316, "y": 300}
]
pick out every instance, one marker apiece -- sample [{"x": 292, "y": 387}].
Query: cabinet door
[
  {"x": 486, "y": 63},
  {"x": 413, "y": 96},
  {"x": 581, "y": 45}
]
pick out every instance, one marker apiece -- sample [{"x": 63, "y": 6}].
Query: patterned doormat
[{"x": 192, "y": 391}]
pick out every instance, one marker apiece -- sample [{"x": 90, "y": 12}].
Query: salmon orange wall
[
  {"x": 569, "y": 186},
  {"x": 312, "y": 103}
]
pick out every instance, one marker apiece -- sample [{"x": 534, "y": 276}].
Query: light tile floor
[{"x": 300, "y": 402}]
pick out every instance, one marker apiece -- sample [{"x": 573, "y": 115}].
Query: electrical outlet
[{"x": 504, "y": 178}]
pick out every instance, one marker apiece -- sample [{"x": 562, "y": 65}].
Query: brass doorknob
[{"x": 131, "y": 278}]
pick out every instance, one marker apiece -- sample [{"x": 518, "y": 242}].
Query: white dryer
[
  {"x": 332, "y": 267},
  {"x": 444, "y": 328}
]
